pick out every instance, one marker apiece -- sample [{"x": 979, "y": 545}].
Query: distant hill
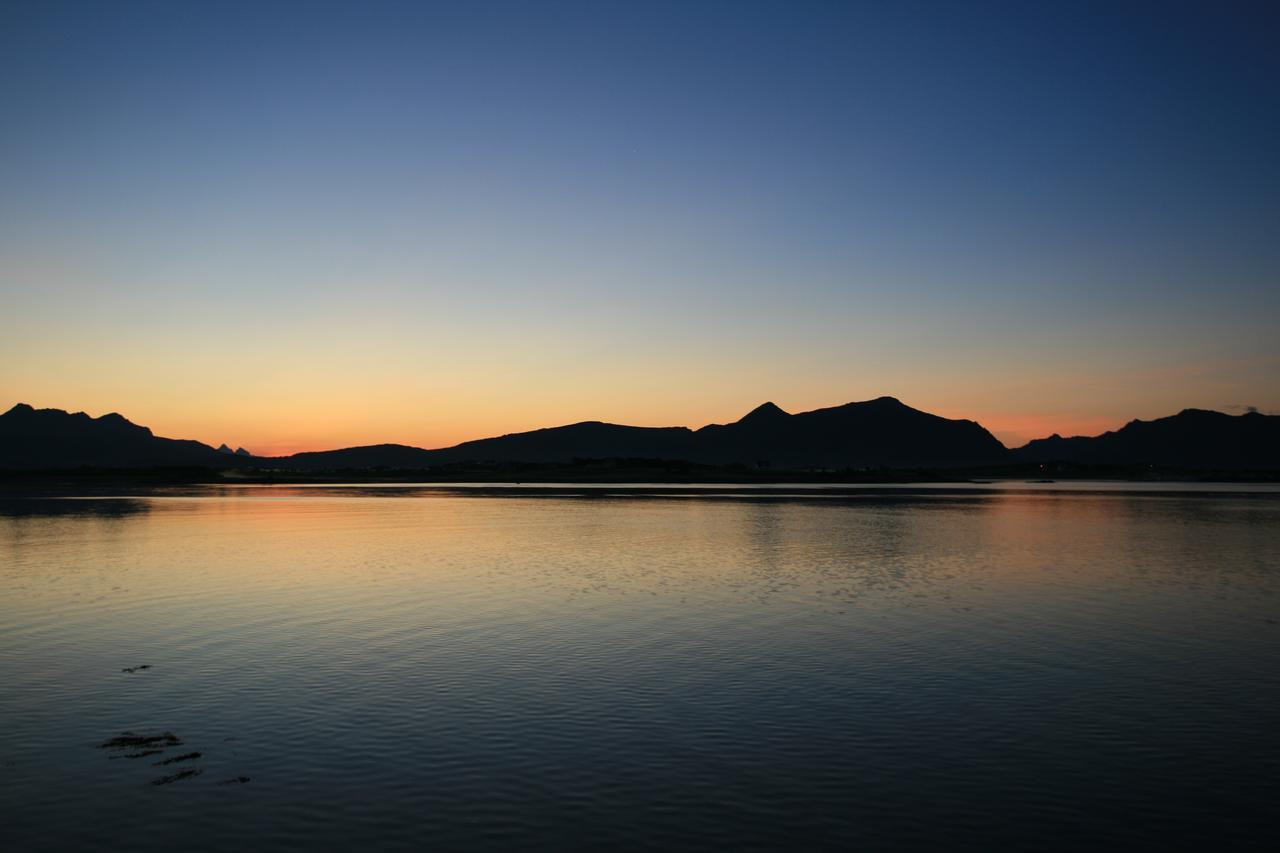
[
  {"x": 877, "y": 433},
  {"x": 371, "y": 456},
  {"x": 1193, "y": 438},
  {"x": 35, "y": 439},
  {"x": 587, "y": 440},
  {"x": 239, "y": 451},
  {"x": 590, "y": 440}
]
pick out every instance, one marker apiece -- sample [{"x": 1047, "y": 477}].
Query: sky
[{"x": 312, "y": 225}]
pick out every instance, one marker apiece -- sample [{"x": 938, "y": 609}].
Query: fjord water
[{"x": 395, "y": 668}]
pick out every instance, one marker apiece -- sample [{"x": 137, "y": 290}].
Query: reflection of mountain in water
[{"x": 81, "y": 507}]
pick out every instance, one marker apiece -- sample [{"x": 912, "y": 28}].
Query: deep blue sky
[{"x": 311, "y": 224}]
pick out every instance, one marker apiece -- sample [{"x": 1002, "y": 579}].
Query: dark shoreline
[{"x": 623, "y": 473}]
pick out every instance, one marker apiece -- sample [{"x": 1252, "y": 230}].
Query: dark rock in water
[
  {"x": 128, "y": 739},
  {"x": 187, "y": 757},
  {"x": 177, "y": 777},
  {"x": 239, "y": 780},
  {"x": 136, "y": 668}
]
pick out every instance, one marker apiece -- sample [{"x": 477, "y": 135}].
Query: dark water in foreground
[{"x": 402, "y": 669}]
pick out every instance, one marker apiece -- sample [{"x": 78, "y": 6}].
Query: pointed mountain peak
[
  {"x": 222, "y": 448},
  {"x": 20, "y": 409},
  {"x": 763, "y": 412},
  {"x": 240, "y": 451}
]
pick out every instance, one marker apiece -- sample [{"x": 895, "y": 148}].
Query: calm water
[{"x": 395, "y": 668}]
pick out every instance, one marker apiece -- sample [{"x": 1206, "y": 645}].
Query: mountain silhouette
[
  {"x": 764, "y": 413},
  {"x": 1193, "y": 438},
  {"x": 882, "y": 433},
  {"x": 52, "y": 438},
  {"x": 875, "y": 433},
  {"x": 367, "y": 456}
]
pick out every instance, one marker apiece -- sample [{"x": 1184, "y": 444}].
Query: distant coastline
[
  {"x": 880, "y": 440},
  {"x": 602, "y": 472}
]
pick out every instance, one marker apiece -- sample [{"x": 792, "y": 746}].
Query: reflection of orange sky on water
[
  {"x": 317, "y": 555},
  {"x": 286, "y": 535}
]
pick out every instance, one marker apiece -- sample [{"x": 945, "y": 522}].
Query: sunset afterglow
[{"x": 412, "y": 226}]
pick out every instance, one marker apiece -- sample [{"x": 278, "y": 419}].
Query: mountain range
[
  {"x": 882, "y": 433},
  {"x": 53, "y": 439}
]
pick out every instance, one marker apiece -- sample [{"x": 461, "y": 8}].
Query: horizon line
[{"x": 883, "y": 397}]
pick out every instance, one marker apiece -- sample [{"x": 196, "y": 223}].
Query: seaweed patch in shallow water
[
  {"x": 136, "y": 668},
  {"x": 143, "y": 754},
  {"x": 239, "y": 780},
  {"x": 177, "y": 777},
  {"x": 186, "y": 757},
  {"x": 127, "y": 739}
]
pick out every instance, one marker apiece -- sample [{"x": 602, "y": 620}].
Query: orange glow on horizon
[
  {"x": 287, "y": 436},
  {"x": 1017, "y": 430}
]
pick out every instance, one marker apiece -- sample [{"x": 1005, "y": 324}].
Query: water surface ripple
[{"x": 392, "y": 668}]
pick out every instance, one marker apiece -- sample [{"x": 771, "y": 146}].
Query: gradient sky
[{"x": 298, "y": 226}]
